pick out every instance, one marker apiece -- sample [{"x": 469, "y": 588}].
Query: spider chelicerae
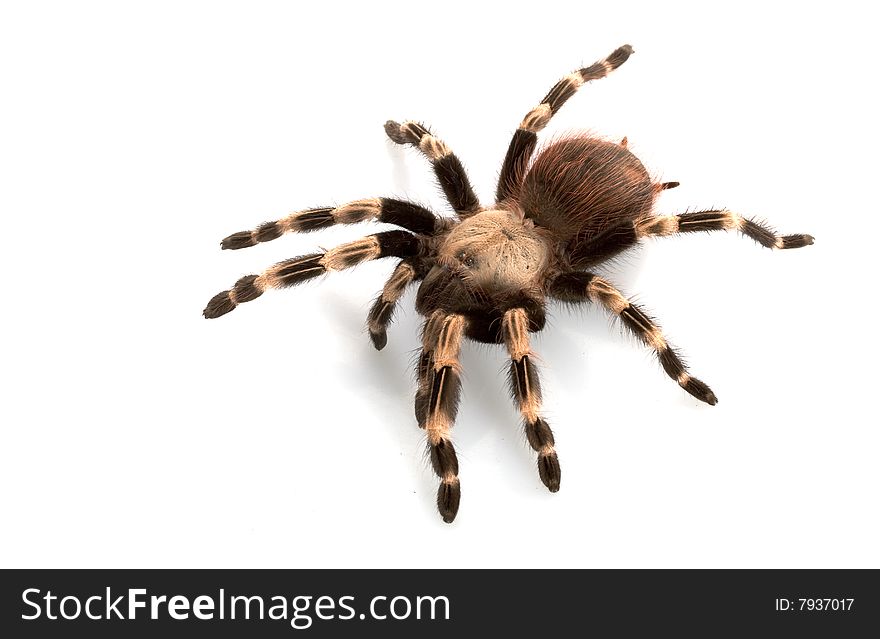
[{"x": 487, "y": 273}]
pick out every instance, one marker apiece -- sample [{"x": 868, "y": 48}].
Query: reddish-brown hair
[{"x": 579, "y": 185}]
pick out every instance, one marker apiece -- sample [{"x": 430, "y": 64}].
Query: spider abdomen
[{"x": 580, "y": 186}]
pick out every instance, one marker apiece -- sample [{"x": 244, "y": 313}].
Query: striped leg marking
[
  {"x": 398, "y": 212},
  {"x": 383, "y": 308},
  {"x": 299, "y": 269},
  {"x": 424, "y": 374},
  {"x": 525, "y": 139},
  {"x": 437, "y": 403},
  {"x": 719, "y": 220},
  {"x": 602, "y": 292},
  {"x": 447, "y": 167},
  {"x": 526, "y": 388},
  {"x": 576, "y": 287}
]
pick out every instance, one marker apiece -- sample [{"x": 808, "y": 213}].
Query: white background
[{"x": 134, "y": 136}]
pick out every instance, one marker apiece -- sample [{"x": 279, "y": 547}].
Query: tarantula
[{"x": 487, "y": 274}]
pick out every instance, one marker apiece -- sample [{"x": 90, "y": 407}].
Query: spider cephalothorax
[{"x": 488, "y": 273}]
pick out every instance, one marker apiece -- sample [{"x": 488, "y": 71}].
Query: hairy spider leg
[
  {"x": 437, "y": 402},
  {"x": 525, "y": 387},
  {"x": 447, "y": 167},
  {"x": 574, "y": 287},
  {"x": 401, "y": 213},
  {"x": 424, "y": 376},
  {"x": 405, "y": 273},
  {"x": 719, "y": 220},
  {"x": 525, "y": 139},
  {"x": 305, "y": 267},
  {"x": 613, "y": 240}
]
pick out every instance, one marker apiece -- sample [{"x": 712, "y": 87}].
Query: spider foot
[
  {"x": 240, "y": 240},
  {"x": 794, "y": 241},
  {"x": 246, "y": 289},
  {"x": 548, "y": 469},
  {"x": 393, "y": 130},
  {"x": 379, "y": 339},
  {"x": 540, "y": 438},
  {"x": 448, "y": 498},
  {"x": 698, "y": 389},
  {"x": 218, "y": 305}
]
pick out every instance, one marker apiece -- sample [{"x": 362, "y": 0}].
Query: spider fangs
[{"x": 488, "y": 273}]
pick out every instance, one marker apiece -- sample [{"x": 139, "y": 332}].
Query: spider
[{"x": 488, "y": 273}]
